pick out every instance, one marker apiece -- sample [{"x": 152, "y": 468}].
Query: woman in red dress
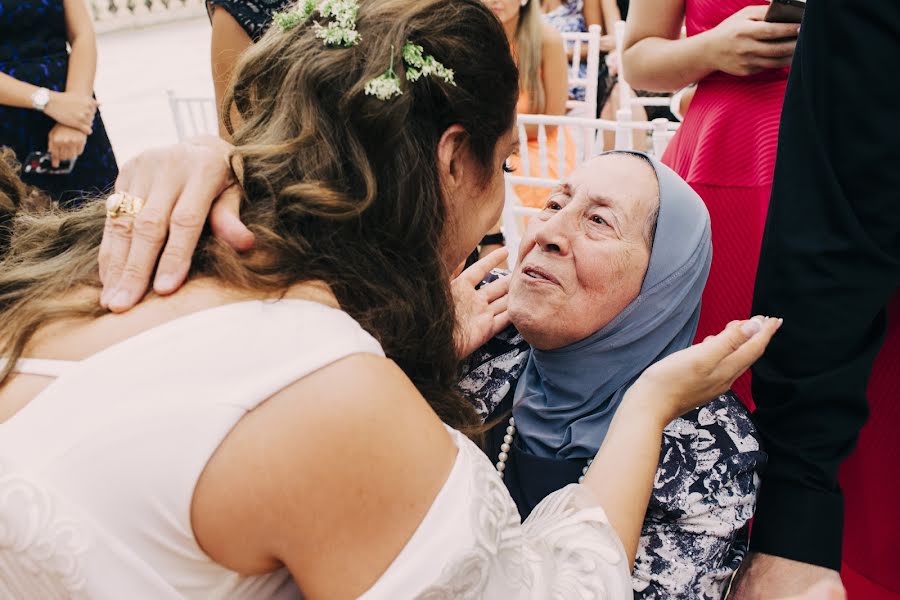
[{"x": 726, "y": 145}]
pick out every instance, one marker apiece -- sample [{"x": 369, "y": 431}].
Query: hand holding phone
[
  {"x": 42, "y": 163},
  {"x": 745, "y": 44},
  {"x": 786, "y": 11}
]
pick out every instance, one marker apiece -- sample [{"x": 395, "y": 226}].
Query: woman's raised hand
[
  {"x": 691, "y": 377},
  {"x": 73, "y": 110},
  {"x": 480, "y": 313},
  {"x": 745, "y": 43},
  {"x": 182, "y": 185}
]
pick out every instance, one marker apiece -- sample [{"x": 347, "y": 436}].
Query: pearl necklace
[{"x": 507, "y": 444}]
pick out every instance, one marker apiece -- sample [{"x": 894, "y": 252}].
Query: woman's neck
[{"x": 511, "y": 27}]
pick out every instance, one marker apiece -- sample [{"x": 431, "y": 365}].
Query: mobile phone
[
  {"x": 786, "y": 11},
  {"x": 41, "y": 162}
]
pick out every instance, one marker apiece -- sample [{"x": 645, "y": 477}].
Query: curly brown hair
[
  {"x": 15, "y": 195},
  {"x": 340, "y": 187}
]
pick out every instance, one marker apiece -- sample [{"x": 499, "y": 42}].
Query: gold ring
[{"x": 123, "y": 203}]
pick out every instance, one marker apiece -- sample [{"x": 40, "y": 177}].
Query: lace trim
[
  {"x": 40, "y": 550},
  {"x": 565, "y": 549}
]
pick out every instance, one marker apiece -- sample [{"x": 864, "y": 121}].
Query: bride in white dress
[{"x": 285, "y": 425}]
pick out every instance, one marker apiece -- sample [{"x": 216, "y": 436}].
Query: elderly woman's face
[{"x": 583, "y": 259}]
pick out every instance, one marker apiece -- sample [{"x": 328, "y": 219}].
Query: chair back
[
  {"x": 575, "y": 43},
  {"x": 193, "y": 115}
]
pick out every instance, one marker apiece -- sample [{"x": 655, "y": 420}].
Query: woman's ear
[{"x": 451, "y": 157}]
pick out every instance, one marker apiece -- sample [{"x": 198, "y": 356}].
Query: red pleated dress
[{"x": 725, "y": 149}]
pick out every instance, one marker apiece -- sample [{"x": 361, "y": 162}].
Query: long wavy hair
[
  {"x": 15, "y": 195},
  {"x": 529, "y": 52},
  {"x": 339, "y": 186}
]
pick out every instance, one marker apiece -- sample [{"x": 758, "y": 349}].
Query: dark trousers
[{"x": 830, "y": 263}]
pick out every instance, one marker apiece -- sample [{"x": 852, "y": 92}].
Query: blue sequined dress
[{"x": 33, "y": 49}]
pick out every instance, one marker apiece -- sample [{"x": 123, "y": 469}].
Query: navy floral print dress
[
  {"x": 254, "y": 16},
  {"x": 33, "y": 49},
  {"x": 569, "y": 17},
  {"x": 695, "y": 533}
]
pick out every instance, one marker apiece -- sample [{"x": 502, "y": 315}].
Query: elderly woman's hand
[
  {"x": 695, "y": 375},
  {"x": 480, "y": 313},
  {"x": 181, "y": 185}
]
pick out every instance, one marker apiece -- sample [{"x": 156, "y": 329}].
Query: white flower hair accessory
[
  {"x": 289, "y": 19},
  {"x": 386, "y": 85},
  {"x": 338, "y": 31},
  {"x": 418, "y": 65}
]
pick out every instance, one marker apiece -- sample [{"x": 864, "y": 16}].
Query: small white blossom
[{"x": 385, "y": 86}]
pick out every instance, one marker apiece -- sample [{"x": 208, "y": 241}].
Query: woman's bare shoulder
[
  {"x": 349, "y": 452},
  {"x": 550, "y": 37}
]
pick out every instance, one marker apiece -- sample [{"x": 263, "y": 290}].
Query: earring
[{"x": 523, "y": 3}]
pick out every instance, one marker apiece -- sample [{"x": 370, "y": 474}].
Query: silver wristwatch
[{"x": 40, "y": 99}]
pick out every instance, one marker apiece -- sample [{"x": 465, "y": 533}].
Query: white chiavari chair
[
  {"x": 578, "y": 43},
  {"x": 193, "y": 115}
]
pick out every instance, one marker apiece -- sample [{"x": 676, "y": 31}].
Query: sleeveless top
[
  {"x": 97, "y": 474},
  {"x": 730, "y": 133}
]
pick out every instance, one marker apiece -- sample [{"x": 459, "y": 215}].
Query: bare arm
[
  {"x": 83, "y": 58},
  {"x": 15, "y": 93},
  {"x": 326, "y": 484},
  {"x": 75, "y": 107},
  {"x": 610, "y": 13},
  {"x": 621, "y": 476},
  {"x": 64, "y": 142},
  {"x": 554, "y": 77},
  {"x": 554, "y": 72},
  {"x": 74, "y": 110},
  {"x": 593, "y": 13},
  {"x": 229, "y": 40},
  {"x": 657, "y": 58}
]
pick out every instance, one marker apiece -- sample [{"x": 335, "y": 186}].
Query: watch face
[{"x": 41, "y": 98}]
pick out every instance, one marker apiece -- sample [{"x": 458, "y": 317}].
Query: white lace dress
[{"x": 97, "y": 475}]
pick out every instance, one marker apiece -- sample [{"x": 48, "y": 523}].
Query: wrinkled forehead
[{"x": 626, "y": 182}]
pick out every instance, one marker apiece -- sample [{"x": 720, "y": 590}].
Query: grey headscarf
[{"x": 566, "y": 398}]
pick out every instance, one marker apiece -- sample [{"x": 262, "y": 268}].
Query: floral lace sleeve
[
  {"x": 565, "y": 549},
  {"x": 695, "y": 533}
]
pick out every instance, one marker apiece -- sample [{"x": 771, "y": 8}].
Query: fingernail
[
  {"x": 119, "y": 300},
  {"x": 165, "y": 282},
  {"x": 751, "y": 327}
]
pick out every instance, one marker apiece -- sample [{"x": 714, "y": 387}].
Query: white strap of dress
[{"x": 41, "y": 366}]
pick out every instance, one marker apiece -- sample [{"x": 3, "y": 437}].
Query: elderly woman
[{"x": 608, "y": 282}]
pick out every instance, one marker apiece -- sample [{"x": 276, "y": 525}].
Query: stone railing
[{"x": 110, "y": 15}]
